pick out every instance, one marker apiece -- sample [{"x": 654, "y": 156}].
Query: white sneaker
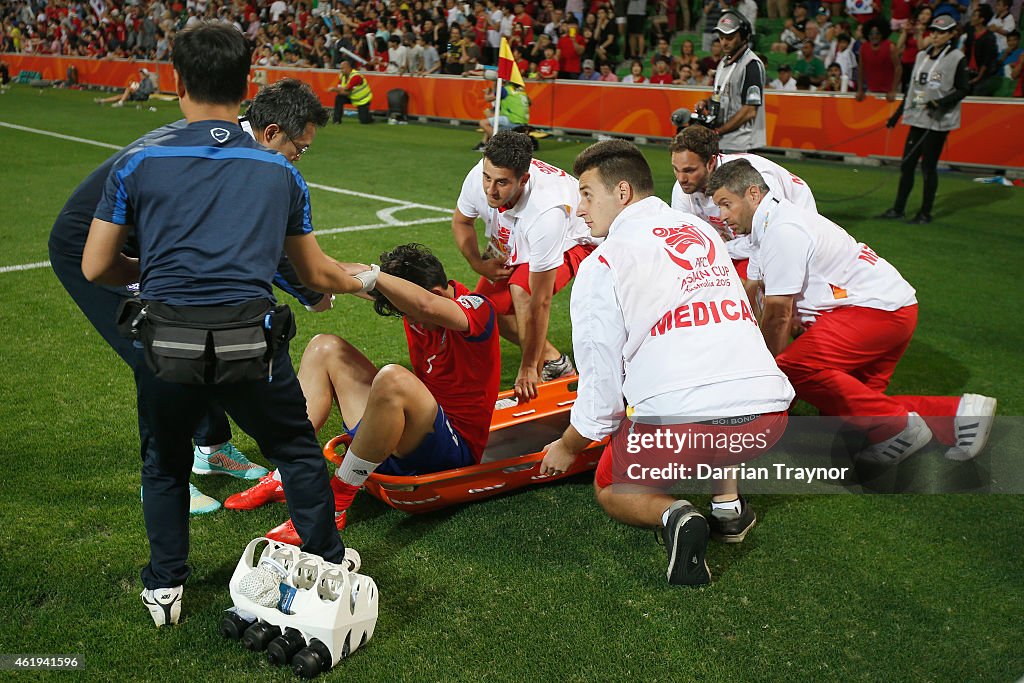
[
  {"x": 972, "y": 424},
  {"x": 164, "y": 604},
  {"x": 352, "y": 561},
  {"x": 895, "y": 450}
]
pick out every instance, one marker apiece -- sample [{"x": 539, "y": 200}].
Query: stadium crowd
[{"x": 820, "y": 44}]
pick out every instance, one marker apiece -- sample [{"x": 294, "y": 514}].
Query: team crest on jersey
[{"x": 688, "y": 247}]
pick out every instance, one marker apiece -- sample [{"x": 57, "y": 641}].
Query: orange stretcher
[{"x": 515, "y": 430}]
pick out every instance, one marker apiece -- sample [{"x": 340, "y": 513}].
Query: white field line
[{"x": 385, "y": 215}]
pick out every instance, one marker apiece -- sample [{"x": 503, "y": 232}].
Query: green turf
[{"x": 539, "y": 585}]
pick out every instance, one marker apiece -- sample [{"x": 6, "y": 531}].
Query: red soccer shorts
[
  {"x": 499, "y": 294},
  {"x": 653, "y": 455},
  {"x": 842, "y": 366}
]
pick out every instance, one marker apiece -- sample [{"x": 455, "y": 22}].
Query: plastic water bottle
[{"x": 262, "y": 584}]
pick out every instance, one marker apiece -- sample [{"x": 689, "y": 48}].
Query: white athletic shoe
[
  {"x": 164, "y": 604},
  {"x": 972, "y": 424},
  {"x": 895, "y": 450},
  {"x": 352, "y": 561}
]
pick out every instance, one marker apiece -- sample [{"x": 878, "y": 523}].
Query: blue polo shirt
[{"x": 211, "y": 208}]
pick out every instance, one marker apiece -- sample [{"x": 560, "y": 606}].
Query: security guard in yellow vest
[{"x": 352, "y": 89}]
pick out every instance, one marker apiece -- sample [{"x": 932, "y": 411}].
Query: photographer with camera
[
  {"x": 938, "y": 84},
  {"x": 735, "y": 109}
]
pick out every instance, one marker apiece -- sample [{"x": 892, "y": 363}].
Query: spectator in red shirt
[
  {"x": 548, "y": 67},
  {"x": 526, "y": 21},
  {"x": 914, "y": 37},
  {"x": 880, "y": 66},
  {"x": 571, "y": 44},
  {"x": 662, "y": 74}
]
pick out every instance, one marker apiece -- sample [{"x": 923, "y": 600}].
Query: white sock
[
  {"x": 733, "y": 505},
  {"x": 276, "y": 475},
  {"x": 210, "y": 450},
  {"x": 354, "y": 470},
  {"x": 664, "y": 516}
]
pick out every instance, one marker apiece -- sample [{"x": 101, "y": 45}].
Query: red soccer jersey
[
  {"x": 461, "y": 370},
  {"x": 661, "y": 79},
  {"x": 548, "y": 68}
]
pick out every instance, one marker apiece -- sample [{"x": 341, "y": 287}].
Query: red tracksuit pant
[{"x": 843, "y": 363}]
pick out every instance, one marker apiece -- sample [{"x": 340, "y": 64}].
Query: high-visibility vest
[
  {"x": 516, "y": 106},
  {"x": 361, "y": 94}
]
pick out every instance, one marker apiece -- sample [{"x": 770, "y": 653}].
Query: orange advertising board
[{"x": 806, "y": 121}]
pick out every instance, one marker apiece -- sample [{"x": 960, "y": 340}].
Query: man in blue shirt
[
  {"x": 199, "y": 255},
  {"x": 284, "y": 117}
]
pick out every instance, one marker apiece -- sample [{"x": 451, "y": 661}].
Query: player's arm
[
  {"x": 546, "y": 239},
  {"x": 421, "y": 304},
  {"x": 533, "y": 332},
  {"x": 753, "y": 97},
  {"x": 784, "y": 257},
  {"x": 776, "y": 322},
  {"x": 288, "y": 281},
  {"x": 316, "y": 269},
  {"x": 464, "y": 231},
  {"x": 102, "y": 260}
]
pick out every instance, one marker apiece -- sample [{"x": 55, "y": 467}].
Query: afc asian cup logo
[{"x": 688, "y": 247}]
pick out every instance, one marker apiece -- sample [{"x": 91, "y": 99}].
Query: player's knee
[
  {"x": 603, "y": 495},
  {"x": 327, "y": 350},
  {"x": 393, "y": 383},
  {"x": 324, "y": 346}
]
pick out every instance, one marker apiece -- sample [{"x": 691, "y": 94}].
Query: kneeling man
[
  {"x": 660, "y": 321},
  {"x": 859, "y": 314}
]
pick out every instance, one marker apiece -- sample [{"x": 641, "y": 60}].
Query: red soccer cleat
[
  {"x": 285, "y": 533},
  {"x": 268, "y": 490}
]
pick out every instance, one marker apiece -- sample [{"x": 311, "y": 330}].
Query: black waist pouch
[{"x": 208, "y": 344}]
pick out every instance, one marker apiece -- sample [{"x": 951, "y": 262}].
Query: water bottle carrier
[{"x": 333, "y": 609}]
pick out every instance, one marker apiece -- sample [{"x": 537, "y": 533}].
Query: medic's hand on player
[
  {"x": 492, "y": 269},
  {"x": 557, "y": 458},
  {"x": 526, "y": 384}
]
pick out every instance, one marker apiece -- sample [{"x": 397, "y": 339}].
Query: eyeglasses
[{"x": 299, "y": 151}]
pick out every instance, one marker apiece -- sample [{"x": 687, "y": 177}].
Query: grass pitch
[{"x": 538, "y": 585}]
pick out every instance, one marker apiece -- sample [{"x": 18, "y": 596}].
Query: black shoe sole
[
  {"x": 736, "y": 537},
  {"x": 688, "y": 566}
]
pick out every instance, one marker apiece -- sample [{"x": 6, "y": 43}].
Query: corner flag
[{"x": 508, "y": 70}]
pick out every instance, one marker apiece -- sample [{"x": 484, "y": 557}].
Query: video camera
[{"x": 682, "y": 118}]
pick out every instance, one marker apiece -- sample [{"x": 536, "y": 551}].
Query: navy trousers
[{"x": 274, "y": 414}]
